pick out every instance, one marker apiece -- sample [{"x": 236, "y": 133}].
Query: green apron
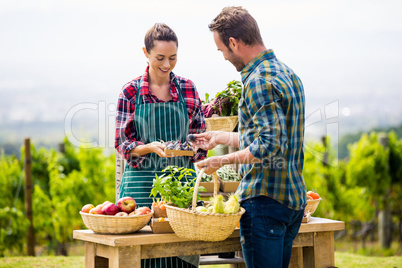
[{"x": 167, "y": 121}]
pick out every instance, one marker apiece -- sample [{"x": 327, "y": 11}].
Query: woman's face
[{"x": 162, "y": 58}]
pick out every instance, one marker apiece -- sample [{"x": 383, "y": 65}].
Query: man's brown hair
[
  {"x": 236, "y": 22},
  {"x": 159, "y": 32}
]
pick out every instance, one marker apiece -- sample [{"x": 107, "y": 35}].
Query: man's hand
[
  {"x": 207, "y": 140},
  {"x": 211, "y": 164}
]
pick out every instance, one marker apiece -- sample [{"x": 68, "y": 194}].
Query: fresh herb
[
  {"x": 226, "y": 102},
  {"x": 176, "y": 186}
]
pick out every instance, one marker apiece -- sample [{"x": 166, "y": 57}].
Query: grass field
[{"x": 342, "y": 260}]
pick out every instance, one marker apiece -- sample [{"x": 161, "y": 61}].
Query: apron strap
[
  {"x": 181, "y": 98},
  {"x": 138, "y": 98}
]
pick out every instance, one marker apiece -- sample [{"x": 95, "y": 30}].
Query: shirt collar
[
  {"x": 249, "y": 68},
  {"x": 145, "y": 85}
]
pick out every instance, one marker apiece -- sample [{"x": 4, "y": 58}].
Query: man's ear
[
  {"x": 233, "y": 43},
  {"x": 145, "y": 52}
]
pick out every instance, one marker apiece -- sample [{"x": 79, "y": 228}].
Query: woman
[{"x": 155, "y": 107}]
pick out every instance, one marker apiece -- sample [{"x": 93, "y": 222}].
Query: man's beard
[{"x": 236, "y": 61}]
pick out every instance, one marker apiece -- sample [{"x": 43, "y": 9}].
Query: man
[{"x": 270, "y": 142}]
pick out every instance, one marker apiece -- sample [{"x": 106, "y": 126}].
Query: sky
[{"x": 65, "y": 60}]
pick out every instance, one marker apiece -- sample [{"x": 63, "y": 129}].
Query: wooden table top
[{"x": 146, "y": 237}]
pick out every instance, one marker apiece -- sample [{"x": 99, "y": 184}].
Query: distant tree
[
  {"x": 13, "y": 224},
  {"x": 77, "y": 177},
  {"x": 13, "y": 229},
  {"x": 346, "y": 140},
  {"x": 328, "y": 178},
  {"x": 374, "y": 166},
  {"x": 395, "y": 167}
]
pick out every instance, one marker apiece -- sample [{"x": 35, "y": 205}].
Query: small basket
[
  {"x": 179, "y": 152},
  {"x": 221, "y": 123},
  {"x": 105, "y": 224},
  {"x": 312, "y": 205},
  {"x": 202, "y": 226}
]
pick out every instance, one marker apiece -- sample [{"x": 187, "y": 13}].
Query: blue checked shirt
[{"x": 271, "y": 126}]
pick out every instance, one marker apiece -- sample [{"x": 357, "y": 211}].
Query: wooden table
[{"x": 313, "y": 246}]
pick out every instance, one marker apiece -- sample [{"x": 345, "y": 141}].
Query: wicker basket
[
  {"x": 312, "y": 205},
  {"x": 221, "y": 123},
  {"x": 203, "y": 226},
  {"x": 105, "y": 224}
]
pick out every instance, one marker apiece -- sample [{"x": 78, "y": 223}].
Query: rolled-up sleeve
[
  {"x": 125, "y": 140},
  {"x": 269, "y": 138}
]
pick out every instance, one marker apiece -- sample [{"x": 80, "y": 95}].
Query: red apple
[
  {"x": 96, "y": 210},
  {"x": 126, "y": 204},
  {"x": 87, "y": 208},
  {"x": 110, "y": 209},
  {"x": 121, "y": 214},
  {"x": 104, "y": 204},
  {"x": 142, "y": 211}
]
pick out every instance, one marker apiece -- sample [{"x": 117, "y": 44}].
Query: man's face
[{"x": 228, "y": 54}]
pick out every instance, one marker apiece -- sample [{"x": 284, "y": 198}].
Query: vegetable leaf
[
  {"x": 176, "y": 186},
  {"x": 226, "y": 102}
]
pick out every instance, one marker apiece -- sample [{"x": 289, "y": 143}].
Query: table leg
[
  {"x": 296, "y": 259},
  {"x": 112, "y": 257},
  {"x": 125, "y": 257},
  {"x": 89, "y": 255},
  {"x": 322, "y": 254},
  {"x": 324, "y": 249}
]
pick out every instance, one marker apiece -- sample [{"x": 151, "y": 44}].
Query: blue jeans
[{"x": 267, "y": 231}]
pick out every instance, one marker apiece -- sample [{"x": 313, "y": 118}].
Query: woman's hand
[
  {"x": 158, "y": 148},
  {"x": 153, "y": 147}
]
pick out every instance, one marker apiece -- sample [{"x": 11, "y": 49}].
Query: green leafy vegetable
[
  {"x": 225, "y": 102},
  {"x": 176, "y": 186}
]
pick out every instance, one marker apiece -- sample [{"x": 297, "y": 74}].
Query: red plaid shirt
[{"x": 126, "y": 136}]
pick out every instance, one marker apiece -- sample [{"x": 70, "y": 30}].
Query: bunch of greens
[
  {"x": 227, "y": 173},
  {"x": 176, "y": 186},
  {"x": 226, "y": 102}
]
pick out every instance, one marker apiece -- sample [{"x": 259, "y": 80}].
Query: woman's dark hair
[
  {"x": 159, "y": 32},
  {"x": 236, "y": 22}
]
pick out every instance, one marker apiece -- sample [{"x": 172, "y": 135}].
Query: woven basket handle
[{"x": 197, "y": 184}]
